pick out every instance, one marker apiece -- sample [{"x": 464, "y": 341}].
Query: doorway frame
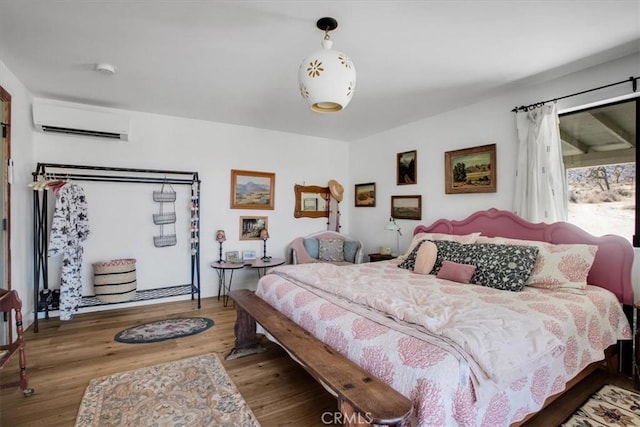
[{"x": 5, "y": 97}]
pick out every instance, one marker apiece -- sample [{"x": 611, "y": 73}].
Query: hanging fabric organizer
[{"x": 165, "y": 217}]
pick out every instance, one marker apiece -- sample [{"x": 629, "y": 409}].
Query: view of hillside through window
[{"x": 602, "y": 199}]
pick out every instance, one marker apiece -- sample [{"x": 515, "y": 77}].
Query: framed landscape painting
[
  {"x": 250, "y": 227},
  {"x": 233, "y": 257},
  {"x": 470, "y": 170},
  {"x": 252, "y": 190},
  {"x": 366, "y": 195},
  {"x": 407, "y": 168},
  {"x": 406, "y": 207}
]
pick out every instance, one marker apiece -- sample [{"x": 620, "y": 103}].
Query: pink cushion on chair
[
  {"x": 301, "y": 253},
  {"x": 425, "y": 258},
  {"x": 455, "y": 272}
]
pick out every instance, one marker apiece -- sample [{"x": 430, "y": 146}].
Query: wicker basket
[
  {"x": 164, "y": 196},
  {"x": 115, "y": 281},
  {"x": 165, "y": 240},
  {"x": 164, "y": 218}
]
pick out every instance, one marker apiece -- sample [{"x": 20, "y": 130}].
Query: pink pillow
[
  {"x": 455, "y": 272},
  {"x": 425, "y": 258},
  {"x": 302, "y": 255}
]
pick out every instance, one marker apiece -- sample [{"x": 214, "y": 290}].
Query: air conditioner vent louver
[
  {"x": 78, "y": 119},
  {"x": 70, "y": 131}
]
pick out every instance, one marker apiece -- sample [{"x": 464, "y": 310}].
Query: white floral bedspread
[{"x": 569, "y": 331}]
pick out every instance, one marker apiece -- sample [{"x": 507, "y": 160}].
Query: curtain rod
[
  {"x": 632, "y": 80},
  {"x": 91, "y": 173}
]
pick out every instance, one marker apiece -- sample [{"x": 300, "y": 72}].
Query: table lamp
[
  {"x": 392, "y": 226},
  {"x": 220, "y": 237},
  {"x": 264, "y": 235}
]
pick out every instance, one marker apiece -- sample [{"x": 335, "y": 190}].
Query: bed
[{"x": 467, "y": 354}]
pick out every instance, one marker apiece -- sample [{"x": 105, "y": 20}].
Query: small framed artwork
[
  {"x": 252, "y": 190},
  {"x": 365, "y": 195},
  {"x": 470, "y": 170},
  {"x": 250, "y": 227},
  {"x": 232, "y": 257},
  {"x": 407, "y": 168},
  {"x": 248, "y": 255},
  {"x": 310, "y": 204},
  {"x": 406, "y": 207}
]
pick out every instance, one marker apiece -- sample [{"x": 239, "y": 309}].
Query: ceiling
[
  {"x": 600, "y": 135},
  {"x": 237, "y": 61}
]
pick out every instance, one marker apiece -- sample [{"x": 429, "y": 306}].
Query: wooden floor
[{"x": 64, "y": 356}]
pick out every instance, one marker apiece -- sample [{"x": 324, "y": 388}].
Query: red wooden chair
[{"x": 9, "y": 300}]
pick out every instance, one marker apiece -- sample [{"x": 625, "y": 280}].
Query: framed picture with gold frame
[
  {"x": 365, "y": 195},
  {"x": 252, "y": 190},
  {"x": 233, "y": 257},
  {"x": 470, "y": 170},
  {"x": 406, "y": 207},
  {"x": 250, "y": 226}
]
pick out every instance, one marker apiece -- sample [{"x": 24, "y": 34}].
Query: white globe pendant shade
[{"x": 327, "y": 79}]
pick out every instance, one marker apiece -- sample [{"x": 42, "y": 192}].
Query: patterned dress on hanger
[{"x": 69, "y": 229}]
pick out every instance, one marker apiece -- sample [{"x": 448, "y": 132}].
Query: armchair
[{"x": 325, "y": 246}]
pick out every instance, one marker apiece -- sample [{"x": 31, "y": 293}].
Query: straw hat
[{"x": 336, "y": 189}]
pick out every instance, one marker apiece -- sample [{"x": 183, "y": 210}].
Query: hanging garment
[
  {"x": 70, "y": 227},
  {"x": 541, "y": 183}
]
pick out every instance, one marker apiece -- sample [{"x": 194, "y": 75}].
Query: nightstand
[{"x": 379, "y": 257}]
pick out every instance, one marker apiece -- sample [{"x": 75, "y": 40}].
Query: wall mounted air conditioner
[{"x": 78, "y": 119}]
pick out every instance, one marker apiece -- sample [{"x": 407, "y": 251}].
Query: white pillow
[
  {"x": 558, "y": 266},
  {"x": 464, "y": 239}
]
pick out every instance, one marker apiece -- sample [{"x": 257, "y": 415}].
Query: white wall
[
  {"x": 212, "y": 149},
  {"x": 120, "y": 214},
  {"x": 22, "y": 155},
  {"x": 491, "y": 121}
]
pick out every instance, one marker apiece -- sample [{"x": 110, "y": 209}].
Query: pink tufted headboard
[{"x": 611, "y": 268}]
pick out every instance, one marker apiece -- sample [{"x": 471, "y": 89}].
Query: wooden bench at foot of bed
[{"x": 362, "y": 398}]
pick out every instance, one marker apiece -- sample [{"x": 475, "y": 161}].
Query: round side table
[
  {"x": 224, "y": 286},
  {"x": 261, "y": 266}
]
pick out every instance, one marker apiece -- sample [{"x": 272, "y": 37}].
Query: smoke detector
[{"x": 105, "y": 68}]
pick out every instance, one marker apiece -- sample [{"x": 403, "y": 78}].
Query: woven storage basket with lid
[{"x": 115, "y": 280}]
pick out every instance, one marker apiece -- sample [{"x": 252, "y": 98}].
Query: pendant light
[{"x": 327, "y": 77}]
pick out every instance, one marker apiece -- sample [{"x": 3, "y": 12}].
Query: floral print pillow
[
  {"x": 331, "y": 250},
  {"x": 409, "y": 262},
  {"x": 505, "y": 267},
  {"x": 559, "y": 266},
  {"x": 460, "y": 238}
]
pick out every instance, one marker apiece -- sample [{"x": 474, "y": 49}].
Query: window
[{"x": 600, "y": 157}]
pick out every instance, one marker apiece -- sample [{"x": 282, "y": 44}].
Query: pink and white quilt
[{"x": 465, "y": 354}]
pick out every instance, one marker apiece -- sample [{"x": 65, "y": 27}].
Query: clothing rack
[
  {"x": 632, "y": 80},
  {"x": 105, "y": 174}
]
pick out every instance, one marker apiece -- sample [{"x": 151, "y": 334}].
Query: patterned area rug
[
  {"x": 164, "y": 330},
  {"x": 609, "y": 406},
  {"x": 190, "y": 392}
]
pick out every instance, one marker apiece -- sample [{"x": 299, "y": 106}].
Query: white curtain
[{"x": 541, "y": 184}]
